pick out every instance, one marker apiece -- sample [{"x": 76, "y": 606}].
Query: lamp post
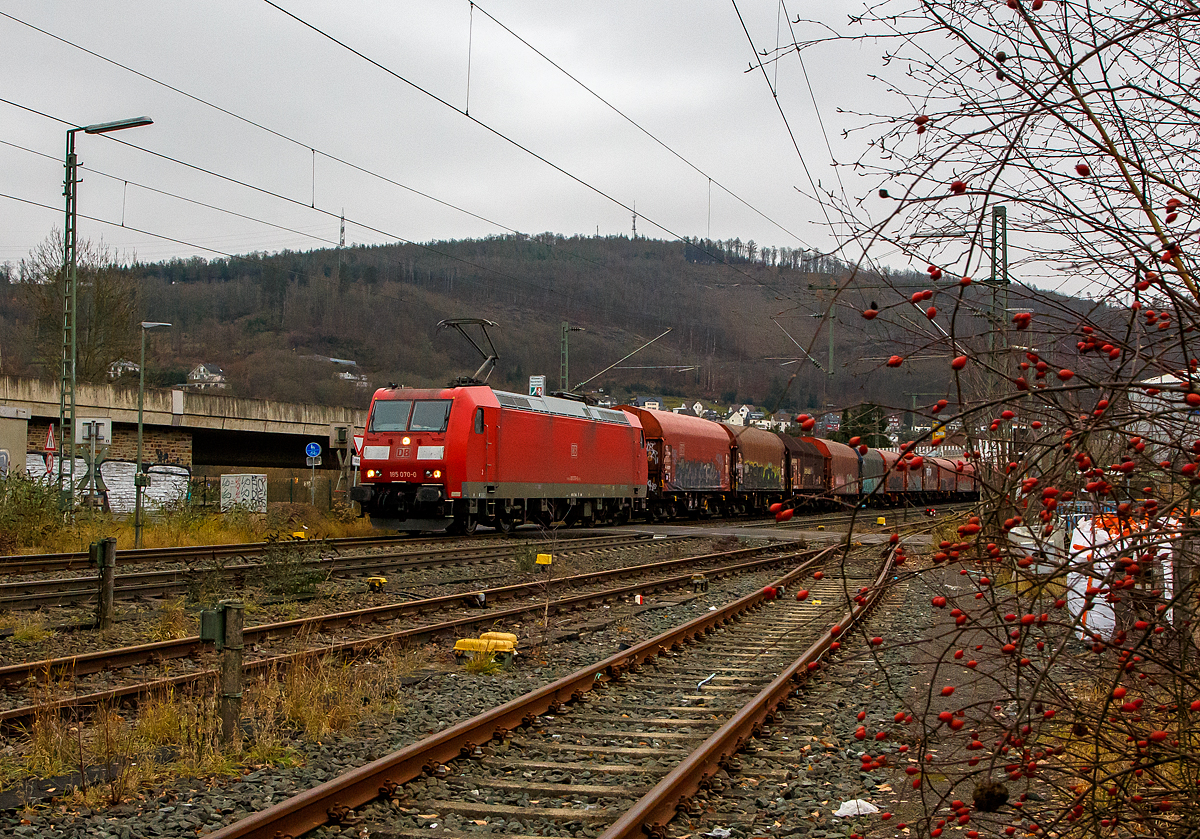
[
  {"x": 66, "y": 383},
  {"x": 141, "y": 478}
]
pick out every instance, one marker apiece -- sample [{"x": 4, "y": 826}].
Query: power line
[
  {"x": 275, "y": 195},
  {"x": 255, "y": 124},
  {"x": 271, "y": 131},
  {"x": 176, "y": 196},
  {"x": 497, "y": 133},
  {"x": 123, "y": 226},
  {"x": 371, "y": 173},
  {"x": 638, "y": 126},
  {"x": 229, "y": 256},
  {"x": 813, "y": 97},
  {"x": 779, "y": 107}
]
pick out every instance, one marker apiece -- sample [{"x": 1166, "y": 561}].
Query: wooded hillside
[{"x": 731, "y": 308}]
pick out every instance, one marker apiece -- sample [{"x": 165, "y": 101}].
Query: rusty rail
[
  {"x": 78, "y": 561},
  {"x": 650, "y": 815},
  {"x": 17, "y": 717},
  {"x": 312, "y": 808},
  {"x": 100, "y": 660}
]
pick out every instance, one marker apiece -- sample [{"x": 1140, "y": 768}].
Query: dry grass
[
  {"x": 172, "y": 622},
  {"x": 321, "y": 696},
  {"x": 176, "y": 733},
  {"x": 182, "y": 525},
  {"x": 29, "y": 628},
  {"x": 482, "y": 664}
]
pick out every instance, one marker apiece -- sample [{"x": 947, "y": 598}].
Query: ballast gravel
[{"x": 196, "y": 807}]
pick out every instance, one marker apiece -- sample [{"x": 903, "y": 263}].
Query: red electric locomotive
[{"x": 452, "y": 458}]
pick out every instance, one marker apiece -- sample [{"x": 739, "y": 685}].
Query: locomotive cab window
[
  {"x": 479, "y": 420},
  {"x": 390, "y": 414},
  {"x": 430, "y": 415}
]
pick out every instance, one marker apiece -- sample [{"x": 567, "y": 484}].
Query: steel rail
[
  {"x": 32, "y": 593},
  {"x": 651, "y": 813},
  {"x": 85, "y": 663},
  {"x": 314, "y": 807},
  {"x": 15, "y": 718},
  {"x": 78, "y": 561}
]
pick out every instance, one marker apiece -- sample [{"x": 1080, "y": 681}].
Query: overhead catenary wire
[
  {"x": 173, "y": 195},
  {"x": 514, "y": 280},
  {"x": 255, "y": 124},
  {"x": 496, "y": 132},
  {"x": 287, "y": 138},
  {"x": 783, "y": 115},
  {"x": 643, "y": 129},
  {"x": 160, "y": 236},
  {"x": 314, "y": 152},
  {"x": 282, "y": 197},
  {"x": 510, "y": 277}
]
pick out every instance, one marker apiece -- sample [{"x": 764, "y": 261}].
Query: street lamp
[
  {"x": 66, "y": 383},
  {"x": 140, "y": 478}
]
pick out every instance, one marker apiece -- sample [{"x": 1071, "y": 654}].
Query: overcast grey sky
[{"x": 678, "y": 69}]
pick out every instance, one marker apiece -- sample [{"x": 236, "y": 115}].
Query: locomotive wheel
[
  {"x": 467, "y": 528},
  {"x": 506, "y": 524}
]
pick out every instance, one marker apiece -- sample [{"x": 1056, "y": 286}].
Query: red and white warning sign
[{"x": 50, "y": 448}]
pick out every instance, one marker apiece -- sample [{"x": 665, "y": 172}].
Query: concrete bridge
[{"x": 205, "y": 434}]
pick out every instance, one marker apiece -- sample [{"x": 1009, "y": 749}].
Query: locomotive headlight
[
  {"x": 433, "y": 473},
  {"x": 406, "y": 441},
  {"x": 372, "y": 473}
]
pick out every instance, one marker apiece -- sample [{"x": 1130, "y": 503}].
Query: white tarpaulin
[{"x": 1096, "y": 544}]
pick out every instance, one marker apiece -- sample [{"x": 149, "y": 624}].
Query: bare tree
[
  {"x": 1077, "y": 712},
  {"x": 109, "y": 311}
]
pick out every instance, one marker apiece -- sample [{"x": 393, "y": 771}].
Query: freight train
[{"x": 457, "y": 457}]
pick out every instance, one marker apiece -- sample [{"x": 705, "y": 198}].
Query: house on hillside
[
  {"x": 119, "y": 368},
  {"x": 348, "y": 371},
  {"x": 356, "y": 379},
  {"x": 740, "y": 415},
  {"x": 207, "y": 377},
  {"x": 831, "y": 421},
  {"x": 780, "y": 420}
]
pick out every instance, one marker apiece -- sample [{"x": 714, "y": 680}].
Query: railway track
[
  {"x": 79, "y": 561},
  {"x": 865, "y": 518},
  {"x": 467, "y": 603},
  {"x": 33, "y": 594},
  {"x": 618, "y": 746}
]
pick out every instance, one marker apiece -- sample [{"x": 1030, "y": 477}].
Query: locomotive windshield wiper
[{"x": 489, "y": 360}]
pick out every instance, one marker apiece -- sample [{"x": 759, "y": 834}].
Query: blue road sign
[{"x": 312, "y": 449}]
